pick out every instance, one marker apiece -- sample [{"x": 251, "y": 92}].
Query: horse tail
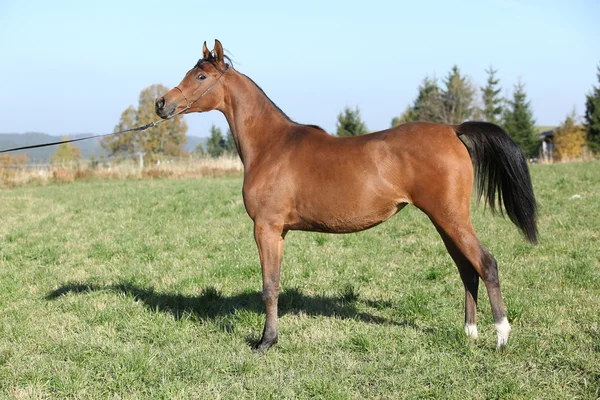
[{"x": 501, "y": 174}]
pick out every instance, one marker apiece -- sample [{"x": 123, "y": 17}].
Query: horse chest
[{"x": 264, "y": 196}]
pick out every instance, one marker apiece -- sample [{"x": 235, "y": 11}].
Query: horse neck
[{"x": 255, "y": 122}]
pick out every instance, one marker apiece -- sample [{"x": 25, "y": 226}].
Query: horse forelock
[{"x": 212, "y": 61}]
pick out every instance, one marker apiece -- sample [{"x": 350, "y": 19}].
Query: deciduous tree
[
  {"x": 569, "y": 139},
  {"x": 166, "y": 139},
  {"x": 9, "y": 164},
  {"x": 66, "y": 152}
]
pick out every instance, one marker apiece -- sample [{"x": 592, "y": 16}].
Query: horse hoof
[
  {"x": 265, "y": 345},
  {"x": 471, "y": 331}
]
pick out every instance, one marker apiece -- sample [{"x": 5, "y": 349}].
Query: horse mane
[
  {"x": 279, "y": 109},
  {"x": 229, "y": 64}
]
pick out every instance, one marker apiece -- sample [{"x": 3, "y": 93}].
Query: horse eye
[{"x": 201, "y": 77}]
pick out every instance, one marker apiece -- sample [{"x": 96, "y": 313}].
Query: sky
[{"x": 74, "y": 66}]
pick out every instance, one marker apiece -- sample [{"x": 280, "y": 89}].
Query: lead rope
[{"x": 139, "y": 128}]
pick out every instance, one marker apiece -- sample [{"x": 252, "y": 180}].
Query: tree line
[
  {"x": 452, "y": 100},
  {"x": 456, "y": 100}
]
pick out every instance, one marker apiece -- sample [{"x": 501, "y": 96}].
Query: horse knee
[{"x": 270, "y": 295}]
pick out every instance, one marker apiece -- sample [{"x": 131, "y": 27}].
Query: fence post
[{"x": 141, "y": 155}]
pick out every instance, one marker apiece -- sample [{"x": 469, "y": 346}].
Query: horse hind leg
[
  {"x": 474, "y": 262},
  {"x": 470, "y": 280}
]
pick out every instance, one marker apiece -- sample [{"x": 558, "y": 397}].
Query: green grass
[{"x": 150, "y": 289}]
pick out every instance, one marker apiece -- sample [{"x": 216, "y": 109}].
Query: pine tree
[
  {"x": 519, "y": 123},
  {"x": 492, "y": 103},
  {"x": 569, "y": 139},
  {"x": 426, "y": 107},
  {"x": 457, "y": 98},
  {"x": 66, "y": 152},
  {"x": 230, "y": 142},
  {"x": 592, "y": 117},
  {"x": 166, "y": 139},
  {"x": 407, "y": 116},
  {"x": 215, "y": 146},
  {"x": 350, "y": 124},
  {"x": 428, "y": 104}
]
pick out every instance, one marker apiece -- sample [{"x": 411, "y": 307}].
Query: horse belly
[{"x": 344, "y": 215}]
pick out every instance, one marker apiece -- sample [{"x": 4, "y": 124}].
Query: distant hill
[{"x": 89, "y": 148}]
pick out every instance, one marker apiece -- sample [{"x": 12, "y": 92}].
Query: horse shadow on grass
[{"x": 213, "y": 305}]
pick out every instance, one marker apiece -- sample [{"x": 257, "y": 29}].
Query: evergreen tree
[
  {"x": 166, "y": 139},
  {"x": 426, "y": 107},
  {"x": 592, "y": 117},
  {"x": 492, "y": 103},
  {"x": 405, "y": 117},
  {"x": 457, "y": 98},
  {"x": 199, "y": 150},
  {"x": 66, "y": 152},
  {"x": 519, "y": 123},
  {"x": 569, "y": 139},
  {"x": 428, "y": 104},
  {"x": 350, "y": 124},
  {"x": 230, "y": 142},
  {"x": 215, "y": 146}
]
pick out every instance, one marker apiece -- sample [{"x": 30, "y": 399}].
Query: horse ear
[
  {"x": 205, "y": 51},
  {"x": 218, "y": 50}
]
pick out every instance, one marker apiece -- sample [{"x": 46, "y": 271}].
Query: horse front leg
[{"x": 269, "y": 239}]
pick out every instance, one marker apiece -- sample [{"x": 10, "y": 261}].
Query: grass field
[{"x": 150, "y": 289}]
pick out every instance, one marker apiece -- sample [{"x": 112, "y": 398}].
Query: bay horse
[{"x": 298, "y": 177}]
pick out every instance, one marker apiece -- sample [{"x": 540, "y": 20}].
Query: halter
[
  {"x": 187, "y": 102},
  {"x": 139, "y": 128}
]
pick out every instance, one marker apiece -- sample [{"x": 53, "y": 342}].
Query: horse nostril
[{"x": 160, "y": 103}]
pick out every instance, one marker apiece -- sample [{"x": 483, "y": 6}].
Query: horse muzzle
[{"x": 163, "y": 110}]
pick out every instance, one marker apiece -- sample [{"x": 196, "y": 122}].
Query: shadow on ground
[{"x": 212, "y": 304}]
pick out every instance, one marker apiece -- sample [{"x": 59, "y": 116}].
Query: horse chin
[{"x": 166, "y": 112}]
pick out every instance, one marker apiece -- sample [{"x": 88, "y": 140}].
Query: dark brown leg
[
  {"x": 470, "y": 280},
  {"x": 467, "y": 251},
  {"x": 269, "y": 239}
]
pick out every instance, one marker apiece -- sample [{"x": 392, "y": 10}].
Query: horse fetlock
[
  {"x": 502, "y": 332},
  {"x": 266, "y": 343}
]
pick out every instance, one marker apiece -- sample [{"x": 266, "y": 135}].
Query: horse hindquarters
[{"x": 443, "y": 192}]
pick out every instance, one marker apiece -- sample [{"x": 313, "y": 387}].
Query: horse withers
[{"x": 298, "y": 177}]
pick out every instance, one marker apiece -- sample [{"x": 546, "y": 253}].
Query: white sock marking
[
  {"x": 502, "y": 330},
  {"x": 471, "y": 330}
]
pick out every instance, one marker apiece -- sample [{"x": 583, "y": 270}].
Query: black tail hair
[{"x": 501, "y": 173}]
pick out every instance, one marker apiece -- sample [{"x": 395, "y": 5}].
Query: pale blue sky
[{"x": 74, "y": 66}]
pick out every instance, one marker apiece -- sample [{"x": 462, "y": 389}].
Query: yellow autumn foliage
[{"x": 569, "y": 139}]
